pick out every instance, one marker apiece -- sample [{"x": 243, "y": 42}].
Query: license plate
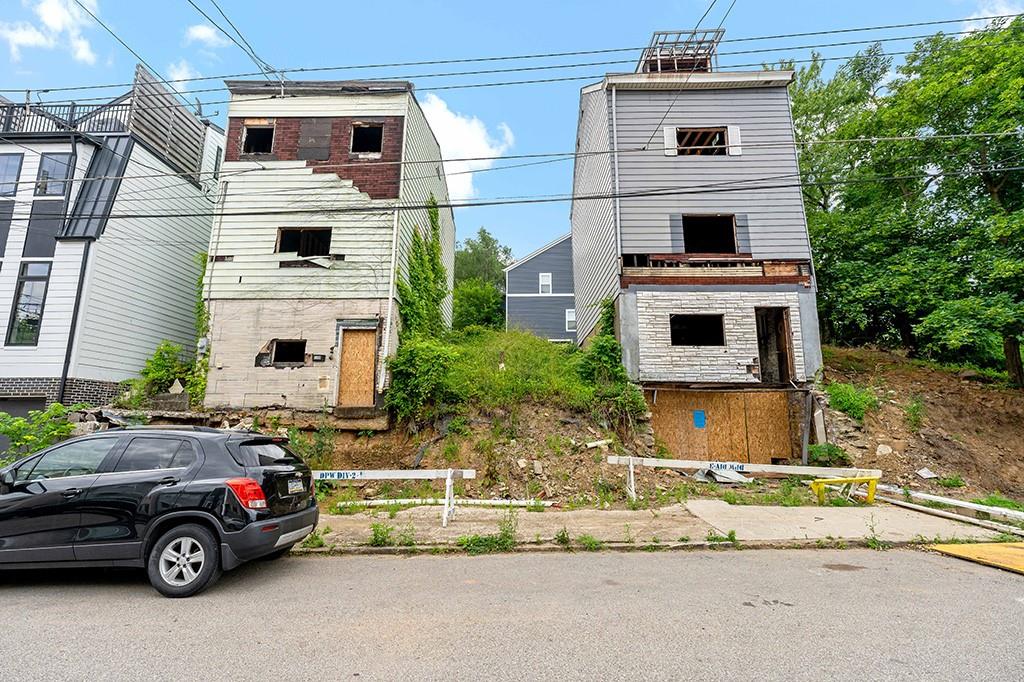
[{"x": 294, "y": 486}]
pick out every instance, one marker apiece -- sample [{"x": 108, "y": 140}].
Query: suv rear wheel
[{"x": 184, "y": 561}]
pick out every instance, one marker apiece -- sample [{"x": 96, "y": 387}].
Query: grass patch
[
  {"x": 853, "y": 400},
  {"x": 589, "y": 543},
  {"x": 503, "y": 541},
  {"x": 562, "y": 538},
  {"x": 315, "y": 540},
  {"x": 380, "y": 535},
  {"x": 790, "y": 493},
  {"x": 998, "y": 500},
  {"x": 827, "y": 455},
  {"x": 954, "y": 481},
  {"x": 407, "y": 536},
  {"x": 730, "y": 537},
  {"x": 913, "y": 413}
]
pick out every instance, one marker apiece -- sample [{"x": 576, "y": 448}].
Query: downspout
[
  {"x": 73, "y": 164},
  {"x": 394, "y": 262}
]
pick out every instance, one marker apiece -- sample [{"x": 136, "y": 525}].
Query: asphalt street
[{"x": 729, "y": 615}]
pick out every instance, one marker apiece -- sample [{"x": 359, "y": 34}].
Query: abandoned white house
[
  {"x": 104, "y": 210},
  {"x": 539, "y": 294},
  {"x": 323, "y": 185},
  {"x": 702, "y": 247}
]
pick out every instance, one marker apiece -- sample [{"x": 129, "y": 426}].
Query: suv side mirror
[{"x": 7, "y": 478}]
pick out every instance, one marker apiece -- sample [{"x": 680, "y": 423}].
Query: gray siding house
[
  {"x": 540, "y": 296},
  {"x": 703, "y": 245}
]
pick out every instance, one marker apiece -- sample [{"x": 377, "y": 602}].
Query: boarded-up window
[
  {"x": 709, "y": 234},
  {"x": 43, "y": 225},
  {"x": 697, "y": 330},
  {"x": 314, "y": 139},
  {"x": 306, "y": 241}
]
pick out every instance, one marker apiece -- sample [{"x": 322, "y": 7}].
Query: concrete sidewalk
[{"x": 689, "y": 524}]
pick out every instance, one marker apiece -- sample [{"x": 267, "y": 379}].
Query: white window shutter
[
  {"x": 670, "y": 141},
  {"x": 734, "y": 141}
]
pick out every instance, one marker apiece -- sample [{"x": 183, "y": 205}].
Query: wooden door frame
[{"x": 361, "y": 324}]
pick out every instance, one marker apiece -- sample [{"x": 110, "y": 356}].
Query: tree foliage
[
  {"x": 423, "y": 290},
  {"x": 39, "y": 430},
  {"x": 478, "y": 303},
  {"x": 919, "y": 241},
  {"x": 482, "y": 258}
]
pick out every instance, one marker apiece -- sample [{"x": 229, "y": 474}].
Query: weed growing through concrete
[
  {"x": 381, "y": 535},
  {"x": 315, "y": 540},
  {"x": 589, "y": 543},
  {"x": 562, "y": 538},
  {"x": 872, "y": 540},
  {"x": 730, "y": 537},
  {"x": 684, "y": 538},
  {"x": 503, "y": 541},
  {"x": 535, "y": 506},
  {"x": 406, "y": 536},
  {"x": 629, "y": 537}
]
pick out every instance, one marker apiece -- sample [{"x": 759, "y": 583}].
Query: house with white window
[
  {"x": 324, "y": 185},
  {"x": 540, "y": 296},
  {"x": 104, "y": 210},
  {"x": 707, "y": 261}
]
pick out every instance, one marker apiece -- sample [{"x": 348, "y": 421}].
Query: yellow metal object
[
  {"x": 818, "y": 486},
  {"x": 1006, "y": 555}
]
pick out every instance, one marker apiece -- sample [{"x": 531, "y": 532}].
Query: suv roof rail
[{"x": 165, "y": 427}]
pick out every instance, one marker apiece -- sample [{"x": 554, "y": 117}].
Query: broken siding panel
[
  {"x": 595, "y": 250},
  {"x": 776, "y": 224},
  {"x": 419, "y": 182},
  {"x": 141, "y": 283},
  {"x": 266, "y": 197}
]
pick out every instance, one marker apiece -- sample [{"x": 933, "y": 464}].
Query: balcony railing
[{"x": 58, "y": 118}]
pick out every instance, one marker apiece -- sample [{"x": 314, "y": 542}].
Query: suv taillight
[{"x": 248, "y": 492}]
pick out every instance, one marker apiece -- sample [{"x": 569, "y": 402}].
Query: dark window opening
[
  {"x": 773, "y": 345},
  {"x": 289, "y": 353},
  {"x": 709, "y": 234},
  {"x": 216, "y": 163},
  {"x": 53, "y": 171},
  {"x": 697, "y": 330},
  {"x": 27, "y": 314},
  {"x": 701, "y": 142},
  {"x": 635, "y": 260},
  {"x": 367, "y": 139},
  {"x": 258, "y": 140},
  {"x": 314, "y": 241}
]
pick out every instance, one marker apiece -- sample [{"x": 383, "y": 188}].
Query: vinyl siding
[
  {"x": 141, "y": 280},
  {"x": 524, "y": 278},
  {"x": 259, "y": 106},
  {"x": 542, "y": 315},
  {"x": 419, "y": 182},
  {"x": 46, "y": 359},
  {"x": 776, "y": 223},
  {"x": 595, "y": 256}
]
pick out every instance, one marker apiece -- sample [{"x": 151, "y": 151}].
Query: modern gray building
[
  {"x": 700, "y": 238},
  {"x": 539, "y": 292}
]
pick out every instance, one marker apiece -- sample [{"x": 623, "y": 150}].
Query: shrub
[
  {"x": 381, "y": 535},
  {"x": 853, "y": 400},
  {"x": 914, "y": 413},
  {"x": 39, "y": 430},
  {"x": 477, "y": 303},
  {"x": 601, "y": 362},
  {"x": 163, "y": 367},
  {"x": 827, "y": 455},
  {"x": 954, "y": 481},
  {"x": 421, "y": 379}
]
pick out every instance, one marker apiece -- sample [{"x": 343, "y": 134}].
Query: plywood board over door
[{"x": 356, "y": 370}]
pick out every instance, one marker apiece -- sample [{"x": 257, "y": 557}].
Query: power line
[
  {"x": 246, "y": 49},
  {"x": 543, "y": 55}
]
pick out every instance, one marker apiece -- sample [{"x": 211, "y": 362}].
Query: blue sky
[{"x": 52, "y": 43}]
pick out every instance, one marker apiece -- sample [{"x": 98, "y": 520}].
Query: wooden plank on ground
[
  {"x": 745, "y": 467},
  {"x": 1008, "y": 556}
]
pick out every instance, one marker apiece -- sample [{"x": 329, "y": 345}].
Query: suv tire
[{"x": 184, "y": 561}]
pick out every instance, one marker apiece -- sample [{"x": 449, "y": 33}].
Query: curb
[{"x": 611, "y": 546}]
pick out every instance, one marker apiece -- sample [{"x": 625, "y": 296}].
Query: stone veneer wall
[{"x": 659, "y": 360}]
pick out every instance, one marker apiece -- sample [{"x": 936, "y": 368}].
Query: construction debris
[
  {"x": 599, "y": 443},
  {"x": 720, "y": 476},
  {"x": 926, "y": 473}
]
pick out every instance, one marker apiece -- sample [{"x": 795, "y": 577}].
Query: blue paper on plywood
[{"x": 699, "y": 419}]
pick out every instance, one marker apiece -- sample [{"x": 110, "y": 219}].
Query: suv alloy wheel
[{"x": 184, "y": 561}]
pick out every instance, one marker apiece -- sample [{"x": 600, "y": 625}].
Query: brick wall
[
  {"x": 659, "y": 360},
  {"x": 241, "y": 328},
  {"x": 90, "y": 391},
  {"x": 377, "y": 177}
]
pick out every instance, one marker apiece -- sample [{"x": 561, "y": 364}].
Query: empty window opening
[
  {"x": 258, "y": 140},
  {"x": 773, "y": 346},
  {"x": 545, "y": 282},
  {"x": 709, "y": 234},
  {"x": 701, "y": 142},
  {"x": 306, "y": 241},
  {"x": 635, "y": 260},
  {"x": 697, "y": 330},
  {"x": 570, "y": 319},
  {"x": 289, "y": 352},
  {"x": 367, "y": 138}
]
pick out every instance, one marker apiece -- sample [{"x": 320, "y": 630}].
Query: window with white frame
[
  {"x": 570, "y": 319},
  {"x": 545, "y": 282}
]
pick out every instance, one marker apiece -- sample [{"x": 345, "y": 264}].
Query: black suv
[{"x": 183, "y": 503}]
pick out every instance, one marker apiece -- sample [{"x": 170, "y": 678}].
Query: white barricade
[{"x": 449, "y": 476}]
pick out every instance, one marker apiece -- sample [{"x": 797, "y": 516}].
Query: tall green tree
[
  {"x": 422, "y": 291},
  {"x": 482, "y": 258},
  {"x": 478, "y": 303}
]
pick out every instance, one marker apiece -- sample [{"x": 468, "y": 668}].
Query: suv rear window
[{"x": 261, "y": 454}]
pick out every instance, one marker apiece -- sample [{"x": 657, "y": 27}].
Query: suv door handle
[
  {"x": 168, "y": 480},
  {"x": 72, "y": 492}
]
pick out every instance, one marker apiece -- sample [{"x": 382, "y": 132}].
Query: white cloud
[
  {"x": 61, "y": 23},
  {"x": 205, "y": 35},
  {"x": 462, "y": 136},
  {"x": 990, "y": 8},
  {"x": 179, "y": 71}
]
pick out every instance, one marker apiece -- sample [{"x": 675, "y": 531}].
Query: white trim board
[{"x": 537, "y": 295}]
